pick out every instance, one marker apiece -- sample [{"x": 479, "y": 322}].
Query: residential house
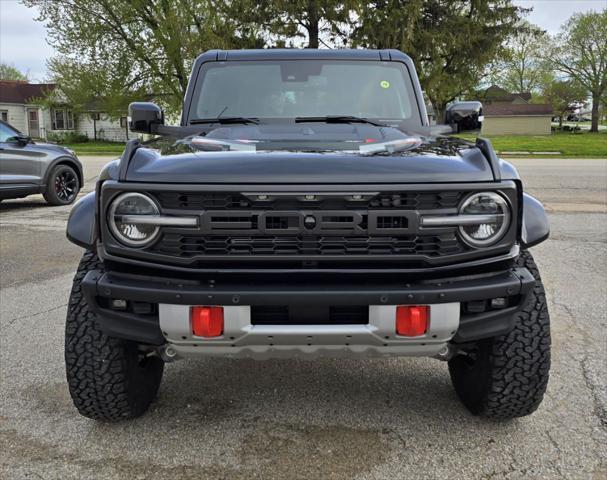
[
  {"x": 517, "y": 119},
  {"x": 506, "y": 113},
  {"x": 21, "y": 106}
]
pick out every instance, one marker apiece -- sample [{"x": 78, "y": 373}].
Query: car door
[{"x": 20, "y": 164}]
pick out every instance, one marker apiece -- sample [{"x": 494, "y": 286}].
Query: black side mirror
[
  {"x": 144, "y": 117},
  {"x": 20, "y": 139}
]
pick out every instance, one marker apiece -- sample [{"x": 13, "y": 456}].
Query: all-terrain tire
[
  {"x": 506, "y": 377},
  {"x": 63, "y": 186},
  {"x": 109, "y": 379}
]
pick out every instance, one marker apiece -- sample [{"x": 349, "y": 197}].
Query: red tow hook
[
  {"x": 412, "y": 320},
  {"x": 207, "y": 322}
]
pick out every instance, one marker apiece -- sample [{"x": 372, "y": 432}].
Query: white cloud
[
  {"x": 551, "y": 14},
  {"x": 23, "y": 39}
]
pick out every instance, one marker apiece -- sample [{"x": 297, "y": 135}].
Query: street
[{"x": 333, "y": 419}]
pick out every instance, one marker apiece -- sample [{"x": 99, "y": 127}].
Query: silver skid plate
[{"x": 242, "y": 339}]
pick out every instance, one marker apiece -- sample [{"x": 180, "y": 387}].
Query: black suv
[{"x": 304, "y": 208}]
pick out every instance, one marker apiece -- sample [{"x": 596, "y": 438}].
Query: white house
[{"x": 20, "y": 106}]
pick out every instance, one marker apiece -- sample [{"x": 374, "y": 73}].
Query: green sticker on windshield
[{"x": 385, "y": 84}]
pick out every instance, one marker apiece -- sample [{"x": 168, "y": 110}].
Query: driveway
[{"x": 333, "y": 419}]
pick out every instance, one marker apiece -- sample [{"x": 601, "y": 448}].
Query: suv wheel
[
  {"x": 506, "y": 377},
  {"x": 109, "y": 379},
  {"x": 63, "y": 186}
]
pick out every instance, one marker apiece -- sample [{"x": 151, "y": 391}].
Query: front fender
[
  {"x": 535, "y": 228},
  {"x": 81, "y": 224}
]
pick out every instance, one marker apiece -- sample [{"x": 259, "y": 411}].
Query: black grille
[
  {"x": 303, "y": 225},
  {"x": 187, "y": 246},
  {"x": 202, "y": 201},
  {"x": 237, "y": 201}
]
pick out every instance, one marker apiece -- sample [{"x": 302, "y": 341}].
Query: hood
[
  {"x": 434, "y": 160},
  {"x": 52, "y": 147}
]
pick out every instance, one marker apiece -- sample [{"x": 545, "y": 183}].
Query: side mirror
[
  {"x": 20, "y": 139},
  {"x": 144, "y": 117}
]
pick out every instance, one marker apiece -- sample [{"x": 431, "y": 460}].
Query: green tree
[
  {"x": 95, "y": 85},
  {"x": 580, "y": 52},
  {"x": 451, "y": 42},
  {"x": 308, "y": 23},
  {"x": 522, "y": 66},
  {"x": 157, "y": 40},
  {"x": 565, "y": 96},
  {"x": 316, "y": 20},
  {"x": 9, "y": 72}
]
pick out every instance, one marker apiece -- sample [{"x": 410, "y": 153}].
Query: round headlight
[
  {"x": 494, "y": 212},
  {"x": 133, "y": 234}
]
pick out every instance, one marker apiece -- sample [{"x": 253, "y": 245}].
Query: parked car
[
  {"x": 28, "y": 167},
  {"x": 305, "y": 208},
  {"x": 466, "y": 115}
]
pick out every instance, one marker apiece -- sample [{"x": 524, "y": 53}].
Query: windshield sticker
[{"x": 385, "y": 84}]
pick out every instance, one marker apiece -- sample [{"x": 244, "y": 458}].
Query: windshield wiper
[
  {"x": 225, "y": 120},
  {"x": 339, "y": 119}
]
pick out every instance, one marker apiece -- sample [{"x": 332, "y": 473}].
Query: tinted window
[
  {"x": 7, "y": 132},
  {"x": 302, "y": 88}
]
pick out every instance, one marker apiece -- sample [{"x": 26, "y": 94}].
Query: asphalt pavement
[{"x": 327, "y": 419}]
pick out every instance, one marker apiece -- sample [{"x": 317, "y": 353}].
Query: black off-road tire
[
  {"x": 506, "y": 377},
  {"x": 109, "y": 379},
  {"x": 65, "y": 193}
]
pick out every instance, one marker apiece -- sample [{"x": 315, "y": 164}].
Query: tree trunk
[
  {"x": 439, "y": 112},
  {"x": 560, "y": 122},
  {"x": 596, "y": 98},
  {"x": 313, "y": 22}
]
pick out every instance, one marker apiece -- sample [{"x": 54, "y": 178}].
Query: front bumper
[{"x": 167, "y": 320}]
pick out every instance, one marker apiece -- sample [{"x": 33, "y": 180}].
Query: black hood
[{"x": 432, "y": 160}]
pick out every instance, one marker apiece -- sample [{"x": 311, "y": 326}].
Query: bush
[{"x": 67, "y": 138}]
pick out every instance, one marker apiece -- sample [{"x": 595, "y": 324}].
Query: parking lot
[{"x": 371, "y": 419}]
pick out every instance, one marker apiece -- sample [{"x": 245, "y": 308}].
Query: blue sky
[{"x": 23, "y": 40}]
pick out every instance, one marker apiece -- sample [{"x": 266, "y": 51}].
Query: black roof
[{"x": 304, "y": 54}]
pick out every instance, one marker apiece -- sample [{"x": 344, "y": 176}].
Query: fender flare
[
  {"x": 535, "y": 228},
  {"x": 81, "y": 224}
]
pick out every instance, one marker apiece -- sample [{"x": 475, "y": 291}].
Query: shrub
[{"x": 67, "y": 138}]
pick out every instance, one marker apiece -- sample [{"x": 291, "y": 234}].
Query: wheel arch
[{"x": 70, "y": 162}]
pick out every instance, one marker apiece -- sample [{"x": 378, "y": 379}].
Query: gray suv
[{"x": 28, "y": 167}]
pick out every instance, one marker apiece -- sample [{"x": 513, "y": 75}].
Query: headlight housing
[
  {"x": 132, "y": 234},
  {"x": 497, "y": 212}
]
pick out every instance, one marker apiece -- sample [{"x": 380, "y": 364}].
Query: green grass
[
  {"x": 585, "y": 144},
  {"x": 97, "y": 148}
]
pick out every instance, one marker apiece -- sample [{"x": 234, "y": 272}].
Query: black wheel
[
  {"x": 506, "y": 377},
  {"x": 109, "y": 379},
  {"x": 63, "y": 186}
]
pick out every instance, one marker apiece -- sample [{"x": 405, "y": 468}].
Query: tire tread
[{"x": 100, "y": 371}]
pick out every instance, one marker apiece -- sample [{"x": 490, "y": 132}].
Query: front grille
[
  {"x": 364, "y": 227},
  {"x": 188, "y": 246},
  {"x": 237, "y": 201},
  {"x": 300, "y": 225}
]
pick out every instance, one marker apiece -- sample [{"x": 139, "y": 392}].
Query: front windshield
[{"x": 288, "y": 89}]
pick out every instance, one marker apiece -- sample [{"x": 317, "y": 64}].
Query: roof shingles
[{"x": 22, "y": 92}]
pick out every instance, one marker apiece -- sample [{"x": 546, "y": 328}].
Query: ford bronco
[{"x": 304, "y": 207}]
